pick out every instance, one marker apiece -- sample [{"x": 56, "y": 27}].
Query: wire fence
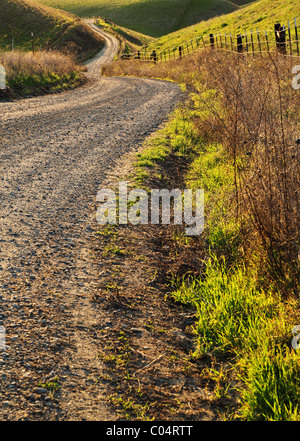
[
  {"x": 28, "y": 41},
  {"x": 282, "y": 39}
]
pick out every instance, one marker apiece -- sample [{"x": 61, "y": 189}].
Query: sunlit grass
[
  {"x": 262, "y": 14},
  {"x": 32, "y": 26},
  {"x": 252, "y": 327},
  {"x": 28, "y": 73},
  {"x": 150, "y": 17}
]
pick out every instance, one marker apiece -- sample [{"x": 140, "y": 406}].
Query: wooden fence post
[
  {"x": 290, "y": 38},
  {"x": 296, "y": 35},
  {"x": 258, "y": 39},
  {"x": 239, "y": 43},
  {"x": 280, "y": 36},
  {"x": 32, "y": 42},
  {"x": 180, "y": 52},
  {"x": 252, "y": 42},
  {"x": 154, "y": 56}
]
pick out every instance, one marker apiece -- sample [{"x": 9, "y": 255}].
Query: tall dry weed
[
  {"x": 260, "y": 130},
  {"x": 38, "y": 63}
]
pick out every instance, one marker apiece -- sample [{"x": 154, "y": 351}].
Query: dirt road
[
  {"x": 55, "y": 153},
  {"x": 106, "y": 55}
]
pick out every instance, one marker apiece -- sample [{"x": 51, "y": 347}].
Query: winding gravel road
[
  {"x": 106, "y": 55},
  {"x": 55, "y": 153}
]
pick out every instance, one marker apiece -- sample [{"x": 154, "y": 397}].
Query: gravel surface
[
  {"x": 55, "y": 152},
  {"x": 106, "y": 55}
]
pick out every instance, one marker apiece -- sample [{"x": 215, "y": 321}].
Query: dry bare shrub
[{"x": 259, "y": 129}]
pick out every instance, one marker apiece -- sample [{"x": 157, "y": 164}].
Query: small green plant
[
  {"x": 129, "y": 409},
  {"x": 52, "y": 385},
  {"x": 220, "y": 378},
  {"x": 113, "y": 249},
  {"x": 108, "y": 231}
]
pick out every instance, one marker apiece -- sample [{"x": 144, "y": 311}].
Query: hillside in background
[
  {"x": 150, "y": 17},
  {"x": 262, "y": 14},
  {"x": 51, "y": 28}
]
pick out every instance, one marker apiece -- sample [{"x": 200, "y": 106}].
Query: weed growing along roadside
[
  {"x": 41, "y": 72},
  {"x": 246, "y": 116}
]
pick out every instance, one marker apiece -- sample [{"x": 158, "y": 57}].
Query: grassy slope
[
  {"x": 199, "y": 10},
  {"x": 261, "y": 14},
  {"x": 150, "y": 17},
  {"x": 51, "y": 27}
]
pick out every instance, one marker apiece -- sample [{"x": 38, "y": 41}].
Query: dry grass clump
[
  {"x": 173, "y": 70},
  {"x": 38, "y": 63},
  {"x": 40, "y": 72}
]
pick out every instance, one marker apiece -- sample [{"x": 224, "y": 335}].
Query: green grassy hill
[
  {"x": 150, "y": 17},
  {"x": 262, "y": 14},
  {"x": 51, "y": 28}
]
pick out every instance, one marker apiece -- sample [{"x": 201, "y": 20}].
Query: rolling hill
[
  {"x": 51, "y": 28},
  {"x": 151, "y": 17},
  {"x": 262, "y": 14}
]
